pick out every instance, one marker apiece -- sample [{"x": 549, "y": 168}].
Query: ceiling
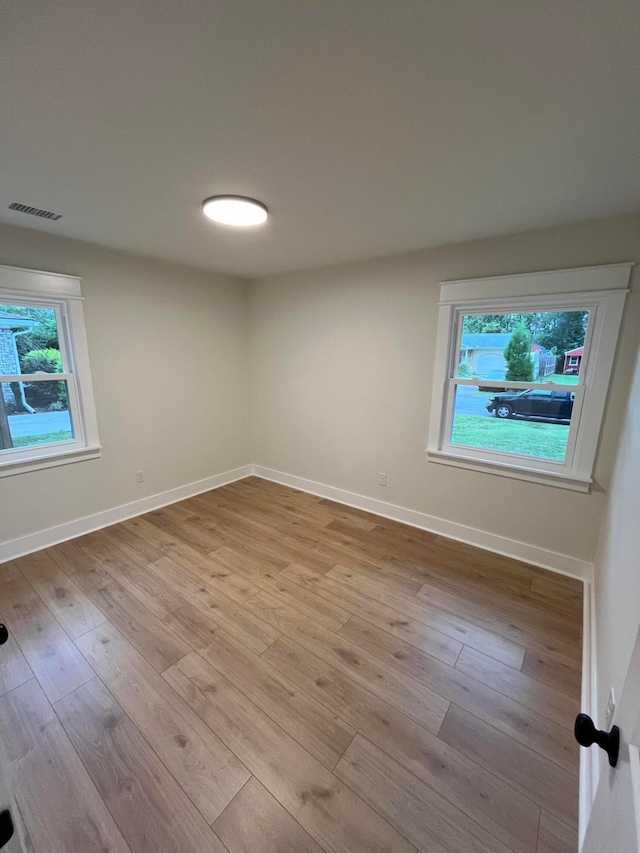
[{"x": 367, "y": 126}]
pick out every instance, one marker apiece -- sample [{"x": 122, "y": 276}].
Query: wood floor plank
[
  {"x": 55, "y": 661},
  {"x": 159, "y": 645},
  {"x": 194, "y": 535},
  {"x": 242, "y": 563},
  {"x": 196, "y": 629},
  {"x": 151, "y": 810},
  {"x": 547, "y": 784},
  {"x": 10, "y": 572},
  {"x": 134, "y": 546},
  {"x": 541, "y": 698},
  {"x": 380, "y": 569},
  {"x": 451, "y": 624},
  {"x": 250, "y": 629},
  {"x": 445, "y": 602},
  {"x": 483, "y": 797},
  {"x": 334, "y": 817},
  {"x": 70, "y": 556},
  {"x": 427, "y": 819},
  {"x": 340, "y": 512},
  {"x": 56, "y": 798},
  {"x": 328, "y": 613},
  {"x": 320, "y": 731},
  {"x": 517, "y": 621},
  {"x": 422, "y": 704},
  {"x": 14, "y": 669},
  {"x": 560, "y": 587},
  {"x": 255, "y": 821},
  {"x": 65, "y": 600},
  {"x": 570, "y": 656},
  {"x": 558, "y": 675},
  {"x": 555, "y": 836},
  {"x": 243, "y": 527},
  {"x": 546, "y": 737},
  {"x": 201, "y": 764},
  {"x": 436, "y": 643},
  {"x": 214, "y": 574},
  {"x": 418, "y": 570},
  {"x": 149, "y": 590}
]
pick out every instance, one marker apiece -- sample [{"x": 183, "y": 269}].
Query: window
[
  {"x": 507, "y": 397},
  {"x": 47, "y": 414}
]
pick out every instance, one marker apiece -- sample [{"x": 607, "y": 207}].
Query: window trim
[
  {"x": 602, "y": 291},
  {"x": 63, "y": 293}
]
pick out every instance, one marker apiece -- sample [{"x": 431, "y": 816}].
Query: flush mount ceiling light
[{"x": 234, "y": 210}]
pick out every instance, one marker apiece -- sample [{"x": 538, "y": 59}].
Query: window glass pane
[
  {"x": 542, "y": 347},
  {"x": 527, "y": 423},
  {"x": 29, "y": 340},
  {"x": 34, "y": 413}
]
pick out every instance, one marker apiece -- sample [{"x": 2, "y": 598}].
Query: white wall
[
  {"x": 340, "y": 382},
  {"x": 168, "y": 350},
  {"x": 341, "y": 369},
  {"x": 617, "y": 563}
]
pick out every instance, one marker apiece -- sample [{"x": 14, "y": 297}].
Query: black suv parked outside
[{"x": 556, "y": 405}]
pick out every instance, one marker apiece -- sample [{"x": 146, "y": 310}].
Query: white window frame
[
  {"x": 573, "y": 361},
  {"x": 600, "y": 290},
  {"x": 63, "y": 294}
]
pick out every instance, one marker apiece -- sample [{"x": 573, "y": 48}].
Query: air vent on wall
[{"x": 35, "y": 211}]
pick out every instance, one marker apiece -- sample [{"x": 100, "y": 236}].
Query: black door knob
[
  {"x": 4, "y": 634},
  {"x": 6, "y": 827},
  {"x": 587, "y": 734}
]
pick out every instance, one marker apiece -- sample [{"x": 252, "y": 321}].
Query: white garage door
[{"x": 490, "y": 361}]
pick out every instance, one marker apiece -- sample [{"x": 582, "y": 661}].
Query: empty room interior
[{"x": 320, "y": 426}]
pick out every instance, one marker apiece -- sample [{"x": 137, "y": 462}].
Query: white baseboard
[
  {"x": 533, "y": 554},
  {"x": 70, "y": 530},
  {"x": 562, "y": 563},
  {"x": 589, "y": 758}
]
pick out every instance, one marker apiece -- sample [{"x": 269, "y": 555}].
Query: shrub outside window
[
  {"x": 508, "y": 397},
  {"x": 47, "y": 414}
]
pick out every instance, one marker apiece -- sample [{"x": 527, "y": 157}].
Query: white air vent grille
[{"x": 35, "y": 211}]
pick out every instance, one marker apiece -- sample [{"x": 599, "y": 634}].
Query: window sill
[
  {"x": 49, "y": 460},
  {"x": 532, "y": 475}
]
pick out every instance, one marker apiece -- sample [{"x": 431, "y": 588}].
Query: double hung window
[
  {"x": 507, "y": 397},
  {"x": 47, "y": 414}
]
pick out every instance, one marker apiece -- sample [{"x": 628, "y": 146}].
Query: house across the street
[{"x": 484, "y": 351}]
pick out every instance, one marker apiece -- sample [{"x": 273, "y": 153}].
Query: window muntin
[
  {"x": 591, "y": 301},
  {"x": 43, "y": 421}
]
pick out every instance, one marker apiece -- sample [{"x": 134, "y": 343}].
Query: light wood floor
[{"x": 259, "y": 670}]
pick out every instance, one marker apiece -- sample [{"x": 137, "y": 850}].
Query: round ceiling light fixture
[{"x": 236, "y": 210}]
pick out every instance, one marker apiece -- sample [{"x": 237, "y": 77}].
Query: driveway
[{"x": 42, "y": 422}]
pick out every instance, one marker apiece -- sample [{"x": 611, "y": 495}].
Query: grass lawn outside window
[
  {"x": 526, "y": 438},
  {"x": 43, "y": 438}
]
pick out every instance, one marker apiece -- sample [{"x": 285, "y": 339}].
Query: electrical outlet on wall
[
  {"x": 611, "y": 707},
  {"x": 139, "y": 476},
  {"x": 382, "y": 479}
]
